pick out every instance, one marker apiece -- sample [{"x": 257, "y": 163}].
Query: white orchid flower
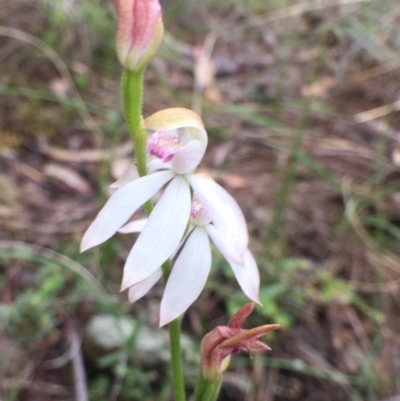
[
  {"x": 175, "y": 150},
  {"x": 193, "y": 264}
]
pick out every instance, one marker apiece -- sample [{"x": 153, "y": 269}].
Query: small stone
[{"x": 106, "y": 333}]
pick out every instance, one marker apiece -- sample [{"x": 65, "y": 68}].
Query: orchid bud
[
  {"x": 140, "y": 32},
  {"x": 219, "y": 344}
]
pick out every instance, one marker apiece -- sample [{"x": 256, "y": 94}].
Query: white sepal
[
  {"x": 120, "y": 207},
  {"x": 248, "y": 277},
  {"x": 188, "y": 276},
  {"x": 224, "y": 211},
  {"x": 141, "y": 289},
  {"x": 161, "y": 235},
  {"x": 135, "y": 226},
  {"x": 226, "y": 247}
]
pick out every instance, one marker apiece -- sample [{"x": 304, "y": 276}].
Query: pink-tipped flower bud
[{"x": 140, "y": 32}]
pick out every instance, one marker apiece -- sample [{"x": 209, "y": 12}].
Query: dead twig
[
  {"x": 377, "y": 112},
  {"x": 84, "y": 156},
  {"x": 78, "y": 368}
]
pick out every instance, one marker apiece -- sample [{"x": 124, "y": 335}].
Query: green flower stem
[
  {"x": 207, "y": 390},
  {"x": 132, "y": 94},
  {"x": 177, "y": 373}
]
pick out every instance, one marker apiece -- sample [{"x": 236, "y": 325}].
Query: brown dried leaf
[
  {"x": 204, "y": 66},
  {"x": 319, "y": 88},
  {"x": 84, "y": 156},
  {"x": 396, "y": 157},
  {"x": 67, "y": 176},
  {"x": 234, "y": 181},
  {"x": 214, "y": 95}
]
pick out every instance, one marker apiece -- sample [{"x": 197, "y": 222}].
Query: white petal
[
  {"x": 161, "y": 235},
  {"x": 188, "y": 157},
  {"x": 120, "y": 207},
  {"x": 141, "y": 289},
  {"x": 157, "y": 164},
  {"x": 188, "y": 276},
  {"x": 248, "y": 277},
  {"x": 135, "y": 226},
  {"x": 225, "y": 213}
]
